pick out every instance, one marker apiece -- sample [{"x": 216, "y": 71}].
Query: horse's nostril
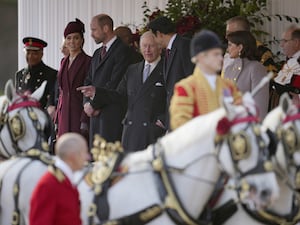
[
  {"x": 265, "y": 193},
  {"x": 253, "y": 188}
]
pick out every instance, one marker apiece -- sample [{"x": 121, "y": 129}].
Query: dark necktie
[
  {"x": 168, "y": 54},
  {"x": 167, "y": 57},
  {"x": 103, "y": 51}
]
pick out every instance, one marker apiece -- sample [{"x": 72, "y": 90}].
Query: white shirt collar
[
  {"x": 153, "y": 64},
  {"x": 296, "y": 55},
  {"x": 211, "y": 78},
  {"x": 171, "y": 42},
  {"x": 110, "y": 42},
  {"x": 64, "y": 167}
]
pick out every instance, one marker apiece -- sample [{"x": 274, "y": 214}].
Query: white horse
[
  {"x": 284, "y": 122},
  {"x": 22, "y": 135},
  {"x": 194, "y": 165},
  {"x": 22, "y": 123},
  {"x": 181, "y": 148}
]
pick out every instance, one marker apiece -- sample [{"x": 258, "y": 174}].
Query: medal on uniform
[{"x": 27, "y": 77}]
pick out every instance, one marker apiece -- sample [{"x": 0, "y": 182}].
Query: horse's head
[
  {"x": 23, "y": 124},
  {"x": 288, "y": 135},
  {"x": 244, "y": 155}
]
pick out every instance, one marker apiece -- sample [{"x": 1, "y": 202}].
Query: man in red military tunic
[
  {"x": 55, "y": 199},
  {"x": 201, "y": 92}
]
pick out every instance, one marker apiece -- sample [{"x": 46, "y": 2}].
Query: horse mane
[
  {"x": 3, "y": 98},
  {"x": 273, "y": 119},
  {"x": 200, "y": 127}
]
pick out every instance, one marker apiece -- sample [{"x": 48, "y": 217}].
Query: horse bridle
[
  {"x": 171, "y": 202},
  {"x": 16, "y": 125},
  {"x": 264, "y": 165},
  {"x": 17, "y": 129},
  {"x": 290, "y": 138},
  {"x": 169, "y": 196},
  {"x": 240, "y": 146}
]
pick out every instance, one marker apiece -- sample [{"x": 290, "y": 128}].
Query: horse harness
[
  {"x": 110, "y": 156},
  {"x": 171, "y": 203},
  {"x": 17, "y": 130},
  {"x": 167, "y": 191},
  {"x": 33, "y": 154},
  {"x": 16, "y": 124},
  {"x": 291, "y": 141},
  {"x": 240, "y": 147},
  {"x": 102, "y": 179}
]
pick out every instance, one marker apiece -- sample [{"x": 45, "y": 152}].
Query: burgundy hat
[
  {"x": 32, "y": 43},
  {"x": 74, "y": 27}
]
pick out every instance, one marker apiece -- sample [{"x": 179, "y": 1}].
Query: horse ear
[
  {"x": 248, "y": 106},
  {"x": 227, "y": 103},
  {"x": 38, "y": 93},
  {"x": 285, "y": 102},
  {"x": 249, "y": 103},
  {"x": 10, "y": 90}
]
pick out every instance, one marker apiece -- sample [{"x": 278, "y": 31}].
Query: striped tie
[
  {"x": 103, "y": 52},
  {"x": 146, "y": 72}
]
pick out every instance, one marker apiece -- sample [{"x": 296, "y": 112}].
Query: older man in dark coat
[{"x": 142, "y": 90}]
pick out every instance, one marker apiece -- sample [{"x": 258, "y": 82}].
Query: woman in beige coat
[{"x": 246, "y": 71}]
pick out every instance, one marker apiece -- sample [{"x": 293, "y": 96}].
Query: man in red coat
[{"x": 55, "y": 199}]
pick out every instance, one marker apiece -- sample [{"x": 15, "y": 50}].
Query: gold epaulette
[
  {"x": 88, "y": 179},
  {"x": 57, "y": 173},
  {"x": 106, "y": 156},
  {"x": 267, "y": 55},
  {"x": 102, "y": 150}
]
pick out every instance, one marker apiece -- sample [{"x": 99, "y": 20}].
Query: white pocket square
[{"x": 158, "y": 84}]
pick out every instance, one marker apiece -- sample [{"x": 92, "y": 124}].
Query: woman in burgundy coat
[{"x": 73, "y": 70}]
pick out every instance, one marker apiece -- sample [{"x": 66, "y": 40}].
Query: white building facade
[{"x": 47, "y": 19}]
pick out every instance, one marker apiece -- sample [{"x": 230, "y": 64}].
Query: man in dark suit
[
  {"x": 177, "y": 63},
  {"x": 108, "y": 65},
  {"x": 31, "y": 77},
  {"x": 126, "y": 36},
  {"x": 142, "y": 91}
]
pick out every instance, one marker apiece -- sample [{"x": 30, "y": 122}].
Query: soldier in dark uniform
[{"x": 31, "y": 77}]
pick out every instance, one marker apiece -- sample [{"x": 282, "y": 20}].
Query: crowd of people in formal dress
[{"x": 138, "y": 95}]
